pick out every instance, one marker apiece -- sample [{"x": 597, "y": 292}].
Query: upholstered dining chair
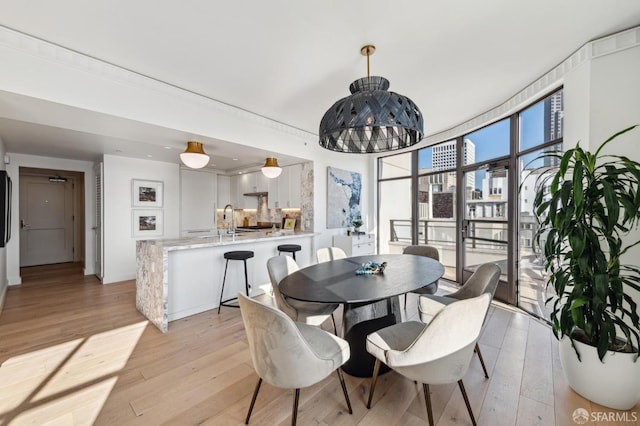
[
  {"x": 289, "y": 354},
  {"x": 483, "y": 280},
  {"x": 426, "y": 251},
  {"x": 326, "y": 254},
  {"x": 436, "y": 353},
  {"x": 306, "y": 312}
]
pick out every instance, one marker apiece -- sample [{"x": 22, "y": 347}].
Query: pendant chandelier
[
  {"x": 271, "y": 168},
  {"x": 372, "y": 119},
  {"x": 194, "y": 156}
]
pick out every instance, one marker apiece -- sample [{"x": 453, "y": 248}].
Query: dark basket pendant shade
[{"x": 371, "y": 120}]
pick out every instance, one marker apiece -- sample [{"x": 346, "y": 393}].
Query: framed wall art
[
  {"x": 343, "y": 197},
  {"x": 147, "y": 223},
  {"x": 146, "y": 193},
  {"x": 289, "y": 224}
]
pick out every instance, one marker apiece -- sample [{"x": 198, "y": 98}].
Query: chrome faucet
[{"x": 231, "y": 230}]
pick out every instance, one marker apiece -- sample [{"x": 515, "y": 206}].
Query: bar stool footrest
[{"x": 226, "y": 303}]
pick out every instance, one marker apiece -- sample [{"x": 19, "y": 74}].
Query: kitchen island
[{"x": 181, "y": 277}]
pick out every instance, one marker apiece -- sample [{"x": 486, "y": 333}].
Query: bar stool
[
  {"x": 289, "y": 248},
  {"x": 235, "y": 255}
]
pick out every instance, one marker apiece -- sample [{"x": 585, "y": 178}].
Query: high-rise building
[
  {"x": 553, "y": 122},
  {"x": 444, "y": 157}
]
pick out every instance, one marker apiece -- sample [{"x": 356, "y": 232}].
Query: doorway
[
  {"x": 51, "y": 210},
  {"x": 485, "y": 228}
]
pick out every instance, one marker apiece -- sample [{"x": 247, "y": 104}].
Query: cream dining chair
[
  {"x": 327, "y": 254},
  {"x": 434, "y": 353},
  {"x": 426, "y": 251},
  {"x": 307, "y": 312},
  {"x": 483, "y": 280},
  {"x": 289, "y": 354}
]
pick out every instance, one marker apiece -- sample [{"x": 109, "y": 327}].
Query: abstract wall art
[{"x": 344, "y": 189}]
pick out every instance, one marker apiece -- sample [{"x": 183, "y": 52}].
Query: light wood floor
[{"x": 73, "y": 351}]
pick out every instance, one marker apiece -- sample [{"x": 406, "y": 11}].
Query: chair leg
[
  {"x": 484, "y": 368},
  {"x": 406, "y": 295},
  {"x": 223, "y": 281},
  {"x": 466, "y": 401},
  {"x": 344, "y": 390},
  {"x": 333, "y": 321},
  {"x": 374, "y": 379},
  {"x": 294, "y": 415},
  {"x": 427, "y": 400},
  {"x": 253, "y": 400}
]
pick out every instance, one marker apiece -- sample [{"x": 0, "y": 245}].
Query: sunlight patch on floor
[{"x": 66, "y": 383}]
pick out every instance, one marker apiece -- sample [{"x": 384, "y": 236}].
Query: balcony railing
[{"x": 429, "y": 231}]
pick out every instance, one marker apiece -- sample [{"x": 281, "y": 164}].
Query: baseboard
[
  {"x": 15, "y": 280},
  {"x": 3, "y": 293},
  {"x": 117, "y": 278}
]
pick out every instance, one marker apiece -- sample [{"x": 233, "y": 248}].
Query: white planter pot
[{"x": 614, "y": 383}]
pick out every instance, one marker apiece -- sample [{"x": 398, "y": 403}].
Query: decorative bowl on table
[{"x": 370, "y": 268}]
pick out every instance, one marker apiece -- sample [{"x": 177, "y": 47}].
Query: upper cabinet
[
  {"x": 262, "y": 182},
  {"x": 236, "y": 189},
  {"x": 284, "y": 191},
  {"x": 253, "y": 182},
  {"x": 198, "y": 199},
  {"x": 224, "y": 191}
]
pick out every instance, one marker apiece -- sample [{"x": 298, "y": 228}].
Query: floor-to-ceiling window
[
  {"x": 485, "y": 191},
  {"x": 395, "y": 198},
  {"x": 471, "y": 198},
  {"x": 437, "y": 206},
  {"x": 540, "y": 130}
]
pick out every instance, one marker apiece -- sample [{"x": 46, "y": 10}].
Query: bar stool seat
[
  {"x": 238, "y": 255},
  {"x": 289, "y": 248},
  {"x": 235, "y": 255}
]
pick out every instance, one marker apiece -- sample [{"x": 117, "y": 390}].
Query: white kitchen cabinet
[
  {"x": 247, "y": 183},
  {"x": 237, "y": 188},
  {"x": 224, "y": 191},
  {"x": 356, "y": 245},
  {"x": 262, "y": 182},
  {"x": 273, "y": 199},
  {"x": 253, "y": 182},
  {"x": 284, "y": 191},
  {"x": 198, "y": 199}
]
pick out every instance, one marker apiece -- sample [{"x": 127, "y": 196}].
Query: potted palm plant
[{"x": 585, "y": 217}]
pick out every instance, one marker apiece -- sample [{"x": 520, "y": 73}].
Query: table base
[{"x": 360, "y": 320}]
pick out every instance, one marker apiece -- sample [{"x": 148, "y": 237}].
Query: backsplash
[{"x": 262, "y": 214}]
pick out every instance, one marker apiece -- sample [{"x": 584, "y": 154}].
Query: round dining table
[{"x": 370, "y": 302}]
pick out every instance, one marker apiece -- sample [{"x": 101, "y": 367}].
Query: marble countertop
[{"x": 202, "y": 241}]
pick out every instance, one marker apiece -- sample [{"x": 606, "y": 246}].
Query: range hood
[{"x": 256, "y": 194}]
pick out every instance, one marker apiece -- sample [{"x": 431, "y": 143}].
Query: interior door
[{"x": 46, "y": 220}]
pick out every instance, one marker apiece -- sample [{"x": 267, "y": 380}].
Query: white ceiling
[{"x": 291, "y": 60}]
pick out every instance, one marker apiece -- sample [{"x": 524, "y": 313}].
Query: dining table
[{"x": 370, "y": 301}]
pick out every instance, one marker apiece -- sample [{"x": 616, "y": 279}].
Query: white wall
[
  {"x": 351, "y": 162},
  {"x": 13, "y": 247},
  {"x": 119, "y": 244},
  {"x": 615, "y": 105}
]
